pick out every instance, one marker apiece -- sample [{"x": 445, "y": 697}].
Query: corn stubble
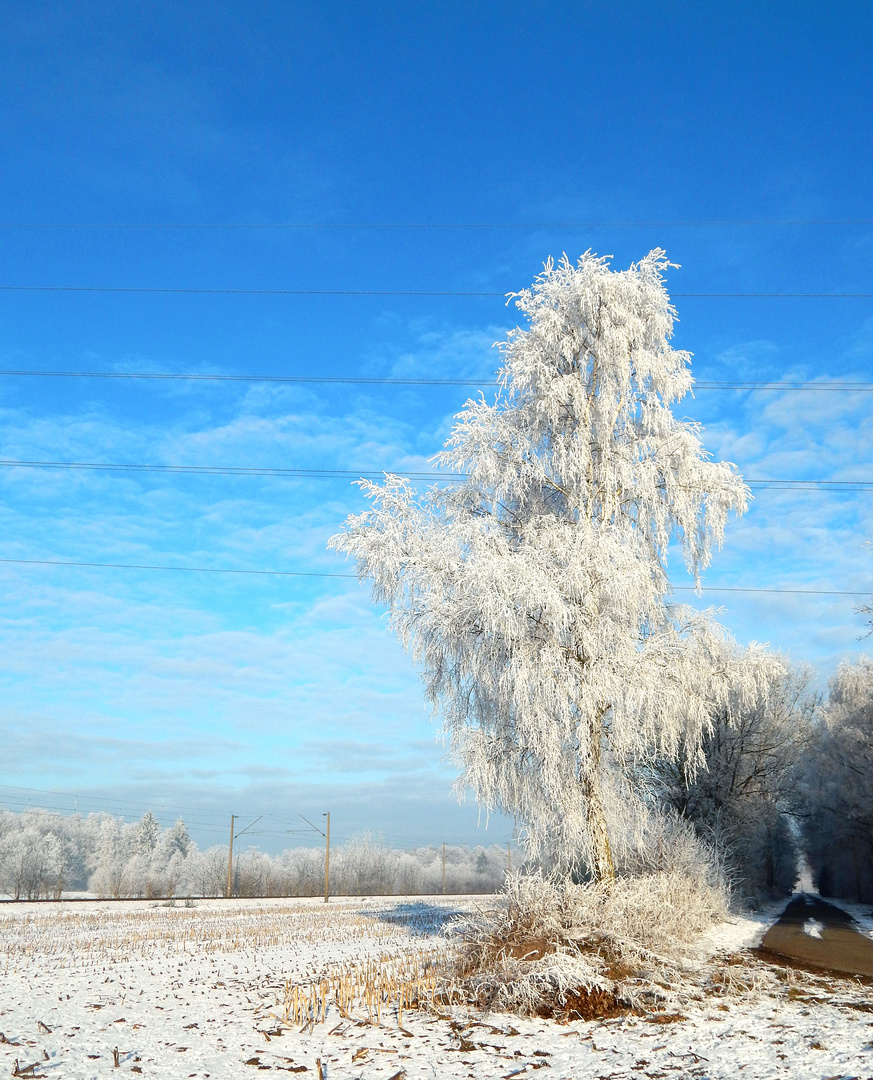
[{"x": 377, "y": 991}]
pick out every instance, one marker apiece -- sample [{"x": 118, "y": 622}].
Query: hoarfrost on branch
[{"x": 534, "y": 595}]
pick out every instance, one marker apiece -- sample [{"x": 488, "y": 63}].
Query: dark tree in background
[
  {"x": 838, "y": 782},
  {"x": 744, "y": 795}
]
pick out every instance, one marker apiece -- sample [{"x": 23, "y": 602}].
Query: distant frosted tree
[
  {"x": 110, "y": 875},
  {"x": 35, "y": 855},
  {"x": 745, "y": 794},
  {"x": 534, "y": 595},
  {"x": 148, "y": 831},
  {"x": 839, "y": 786},
  {"x": 209, "y": 871},
  {"x": 175, "y": 841}
]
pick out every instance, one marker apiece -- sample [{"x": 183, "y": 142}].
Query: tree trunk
[{"x": 602, "y": 865}]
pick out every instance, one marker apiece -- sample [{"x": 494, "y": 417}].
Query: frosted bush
[{"x": 578, "y": 949}]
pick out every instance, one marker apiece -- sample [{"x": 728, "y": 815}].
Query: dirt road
[{"x": 815, "y": 933}]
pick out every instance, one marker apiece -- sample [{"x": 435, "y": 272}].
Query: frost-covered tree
[
  {"x": 534, "y": 595},
  {"x": 209, "y": 871},
  {"x": 110, "y": 860},
  {"x": 148, "y": 831},
  {"x": 364, "y": 866},
  {"x": 38, "y": 854},
  {"x": 744, "y": 796},
  {"x": 839, "y": 787}
]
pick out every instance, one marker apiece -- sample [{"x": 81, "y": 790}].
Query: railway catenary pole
[
  {"x": 327, "y": 859},
  {"x": 230, "y": 861}
]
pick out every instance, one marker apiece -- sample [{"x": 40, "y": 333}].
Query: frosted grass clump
[{"x": 558, "y": 948}]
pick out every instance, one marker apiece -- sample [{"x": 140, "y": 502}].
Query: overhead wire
[
  {"x": 193, "y": 818},
  {"x": 185, "y": 569},
  {"x": 328, "y": 574},
  {"x": 364, "y": 225},
  {"x": 221, "y": 470},
  {"x": 367, "y": 380},
  {"x": 324, "y": 379},
  {"x": 132, "y": 807},
  {"x": 777, "y": 484},
  {"x": 210, "y": 291}
]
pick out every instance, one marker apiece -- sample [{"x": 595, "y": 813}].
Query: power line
[
  {"x": 799, "y": 592},
  {"x": 812, "y": 485},
  {"x": 186, "y": 569},
  {"x": 244, "y": 292},
  {"x": 773, "y": 295},
  {"x": 192, "y": 818},
  {"x": 221, "y": 470},
  {"x": 134, "y": 806},
  {"x": 706, "y": 384},
  {"x": 779, "y": 484},
  {"x": 24, "y": 805},
  {"x": 342, "y": 225},
  {"x": 121, "y": 807},
  {"x": 292, "y": 573},
  {"x": 351, "y": 379},
  {"x": 702, "y": 384},
  {"x": 203, "y": 291}
]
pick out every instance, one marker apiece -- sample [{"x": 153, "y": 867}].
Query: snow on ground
[
  {"x": 739, "y": 931},
  {"x": 198, "y": 992},
  {"x": 861, "y": 913}
]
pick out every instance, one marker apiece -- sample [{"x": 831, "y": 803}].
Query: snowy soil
[
  {"x": 861, "y": 913},
  {"x": 199, "y": 993}
]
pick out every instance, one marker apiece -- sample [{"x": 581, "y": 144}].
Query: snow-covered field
[{"x": 201, "y": 992}]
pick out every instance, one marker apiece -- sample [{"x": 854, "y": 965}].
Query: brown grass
[{"x": 583, "y": 1004}]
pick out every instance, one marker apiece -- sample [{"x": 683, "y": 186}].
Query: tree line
[{"x": 45, "y": 855}]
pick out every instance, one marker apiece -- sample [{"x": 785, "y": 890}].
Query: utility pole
[
  {"x": 230, "y": 862},
  {"x": 326, "y": 836},
  {"x": 230, "y": 852},
  {"x": 327, "y": 859},
  {"x": 444, "y": 868},
  {"x": 509, "y": 854}
]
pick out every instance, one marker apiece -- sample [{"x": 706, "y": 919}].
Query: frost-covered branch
[{"x": 545, "y": 643}]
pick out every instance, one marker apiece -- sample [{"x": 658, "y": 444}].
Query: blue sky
[{"x": 473, "y": 132}]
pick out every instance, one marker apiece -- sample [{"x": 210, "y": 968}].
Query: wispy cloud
[
  {"x": 179, "y": 683},
  {"x": 807, "y": 539}
]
